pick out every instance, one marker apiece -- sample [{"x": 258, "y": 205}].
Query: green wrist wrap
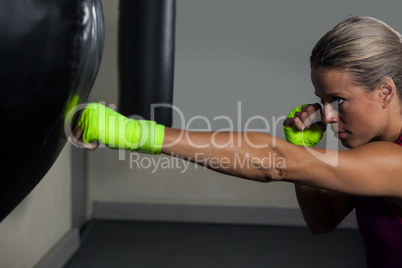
[
  {"x": 152, "y": 137},
  {"x": 309, "y": 137},
  {"x": 108, "y": 127}
]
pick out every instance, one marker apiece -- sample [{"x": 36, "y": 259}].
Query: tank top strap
[
  {"x": 391, "y": 205},
  {"x": 399, "y": 140}
]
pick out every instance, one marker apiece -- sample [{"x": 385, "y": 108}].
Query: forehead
[{"x": 332, "y": 82}]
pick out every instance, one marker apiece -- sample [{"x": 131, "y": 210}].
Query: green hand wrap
[
  {"x": 108, "y": 127},
  {"x": 309, "y": 137}
]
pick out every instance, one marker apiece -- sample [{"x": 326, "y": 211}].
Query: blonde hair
[{"x": 366, "y": 47}]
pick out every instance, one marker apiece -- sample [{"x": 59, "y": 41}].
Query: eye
[{"x": 339, "y": 101}]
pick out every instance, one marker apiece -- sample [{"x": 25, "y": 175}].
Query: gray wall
[
  {"x": 227, "y": 51},
  {"x": 41, "y": 220}
]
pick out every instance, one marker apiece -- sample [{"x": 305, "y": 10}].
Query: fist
[{"x": 303, "y": 125}]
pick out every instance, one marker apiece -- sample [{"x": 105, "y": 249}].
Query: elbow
[
  {"x": 269, "y": 168},
  {"x": 274, "y": 174},
  {"x": 276, "y": 169}
]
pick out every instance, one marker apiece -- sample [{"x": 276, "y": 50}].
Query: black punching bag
[
  {"x": 146, "y": 58},
  {"x": 50, "y": 53}
]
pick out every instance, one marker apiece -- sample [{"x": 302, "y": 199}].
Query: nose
[{"x": 330, "y": 113}]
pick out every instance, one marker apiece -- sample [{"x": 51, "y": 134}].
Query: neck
[{"x": 392, "y": 130}]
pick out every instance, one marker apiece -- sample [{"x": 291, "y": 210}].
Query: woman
[
  {"x": 358, "y": 65},
  {"x": 356, "y": 71}
]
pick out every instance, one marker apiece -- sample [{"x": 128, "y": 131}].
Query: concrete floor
[{"x": 150, "y": 244}]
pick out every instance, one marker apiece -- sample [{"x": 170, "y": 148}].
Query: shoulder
[{"x": 376, "y": 151}]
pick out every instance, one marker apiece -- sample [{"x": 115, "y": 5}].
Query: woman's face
[{"x": 355, "y": 115}]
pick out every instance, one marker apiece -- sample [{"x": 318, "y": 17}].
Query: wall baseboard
[
  {"x": 205, "y": 214},
  {"x": 59, "y": 255}
]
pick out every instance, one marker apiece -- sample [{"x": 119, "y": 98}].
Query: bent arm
[{"x": 323, "y": 210}]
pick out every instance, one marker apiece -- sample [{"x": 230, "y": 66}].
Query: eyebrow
[{"x": 332, "y": 95}]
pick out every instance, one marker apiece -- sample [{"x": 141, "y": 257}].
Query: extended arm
[
  {"x": 372, "y": 169},
  {"x": 249, "y": 155}
]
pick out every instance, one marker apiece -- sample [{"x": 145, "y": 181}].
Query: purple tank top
[{"x": 381, "y": 230}]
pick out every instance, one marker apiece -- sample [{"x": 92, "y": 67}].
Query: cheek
[
  {"x": 362, "y": 123},
  {"x": 356, "y": 119},
  {"x": 350, "y": 116}
]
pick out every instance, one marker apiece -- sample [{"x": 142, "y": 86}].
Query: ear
[{"x": 387, "y": 92}]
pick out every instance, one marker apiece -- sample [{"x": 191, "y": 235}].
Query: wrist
[
  {"x": 116, "y": 131},
  {"x": 152, "y": 137}
]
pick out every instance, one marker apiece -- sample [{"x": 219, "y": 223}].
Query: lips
[{"x": 340, "y": 134}]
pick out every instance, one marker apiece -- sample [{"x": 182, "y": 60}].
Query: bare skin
[
  {"x": 362, "y": 118},
  {"x": 368, "y": 123}
]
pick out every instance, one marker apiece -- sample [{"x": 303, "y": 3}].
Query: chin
[
  {"x": 347, "y": 144},
  {"x": 350, "y": 144}
]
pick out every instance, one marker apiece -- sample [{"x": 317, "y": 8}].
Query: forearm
[
  {"x": 249, "y": 155},
  {"x": 322, "y": 210},
  {"x": 315, "y": 207}
]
